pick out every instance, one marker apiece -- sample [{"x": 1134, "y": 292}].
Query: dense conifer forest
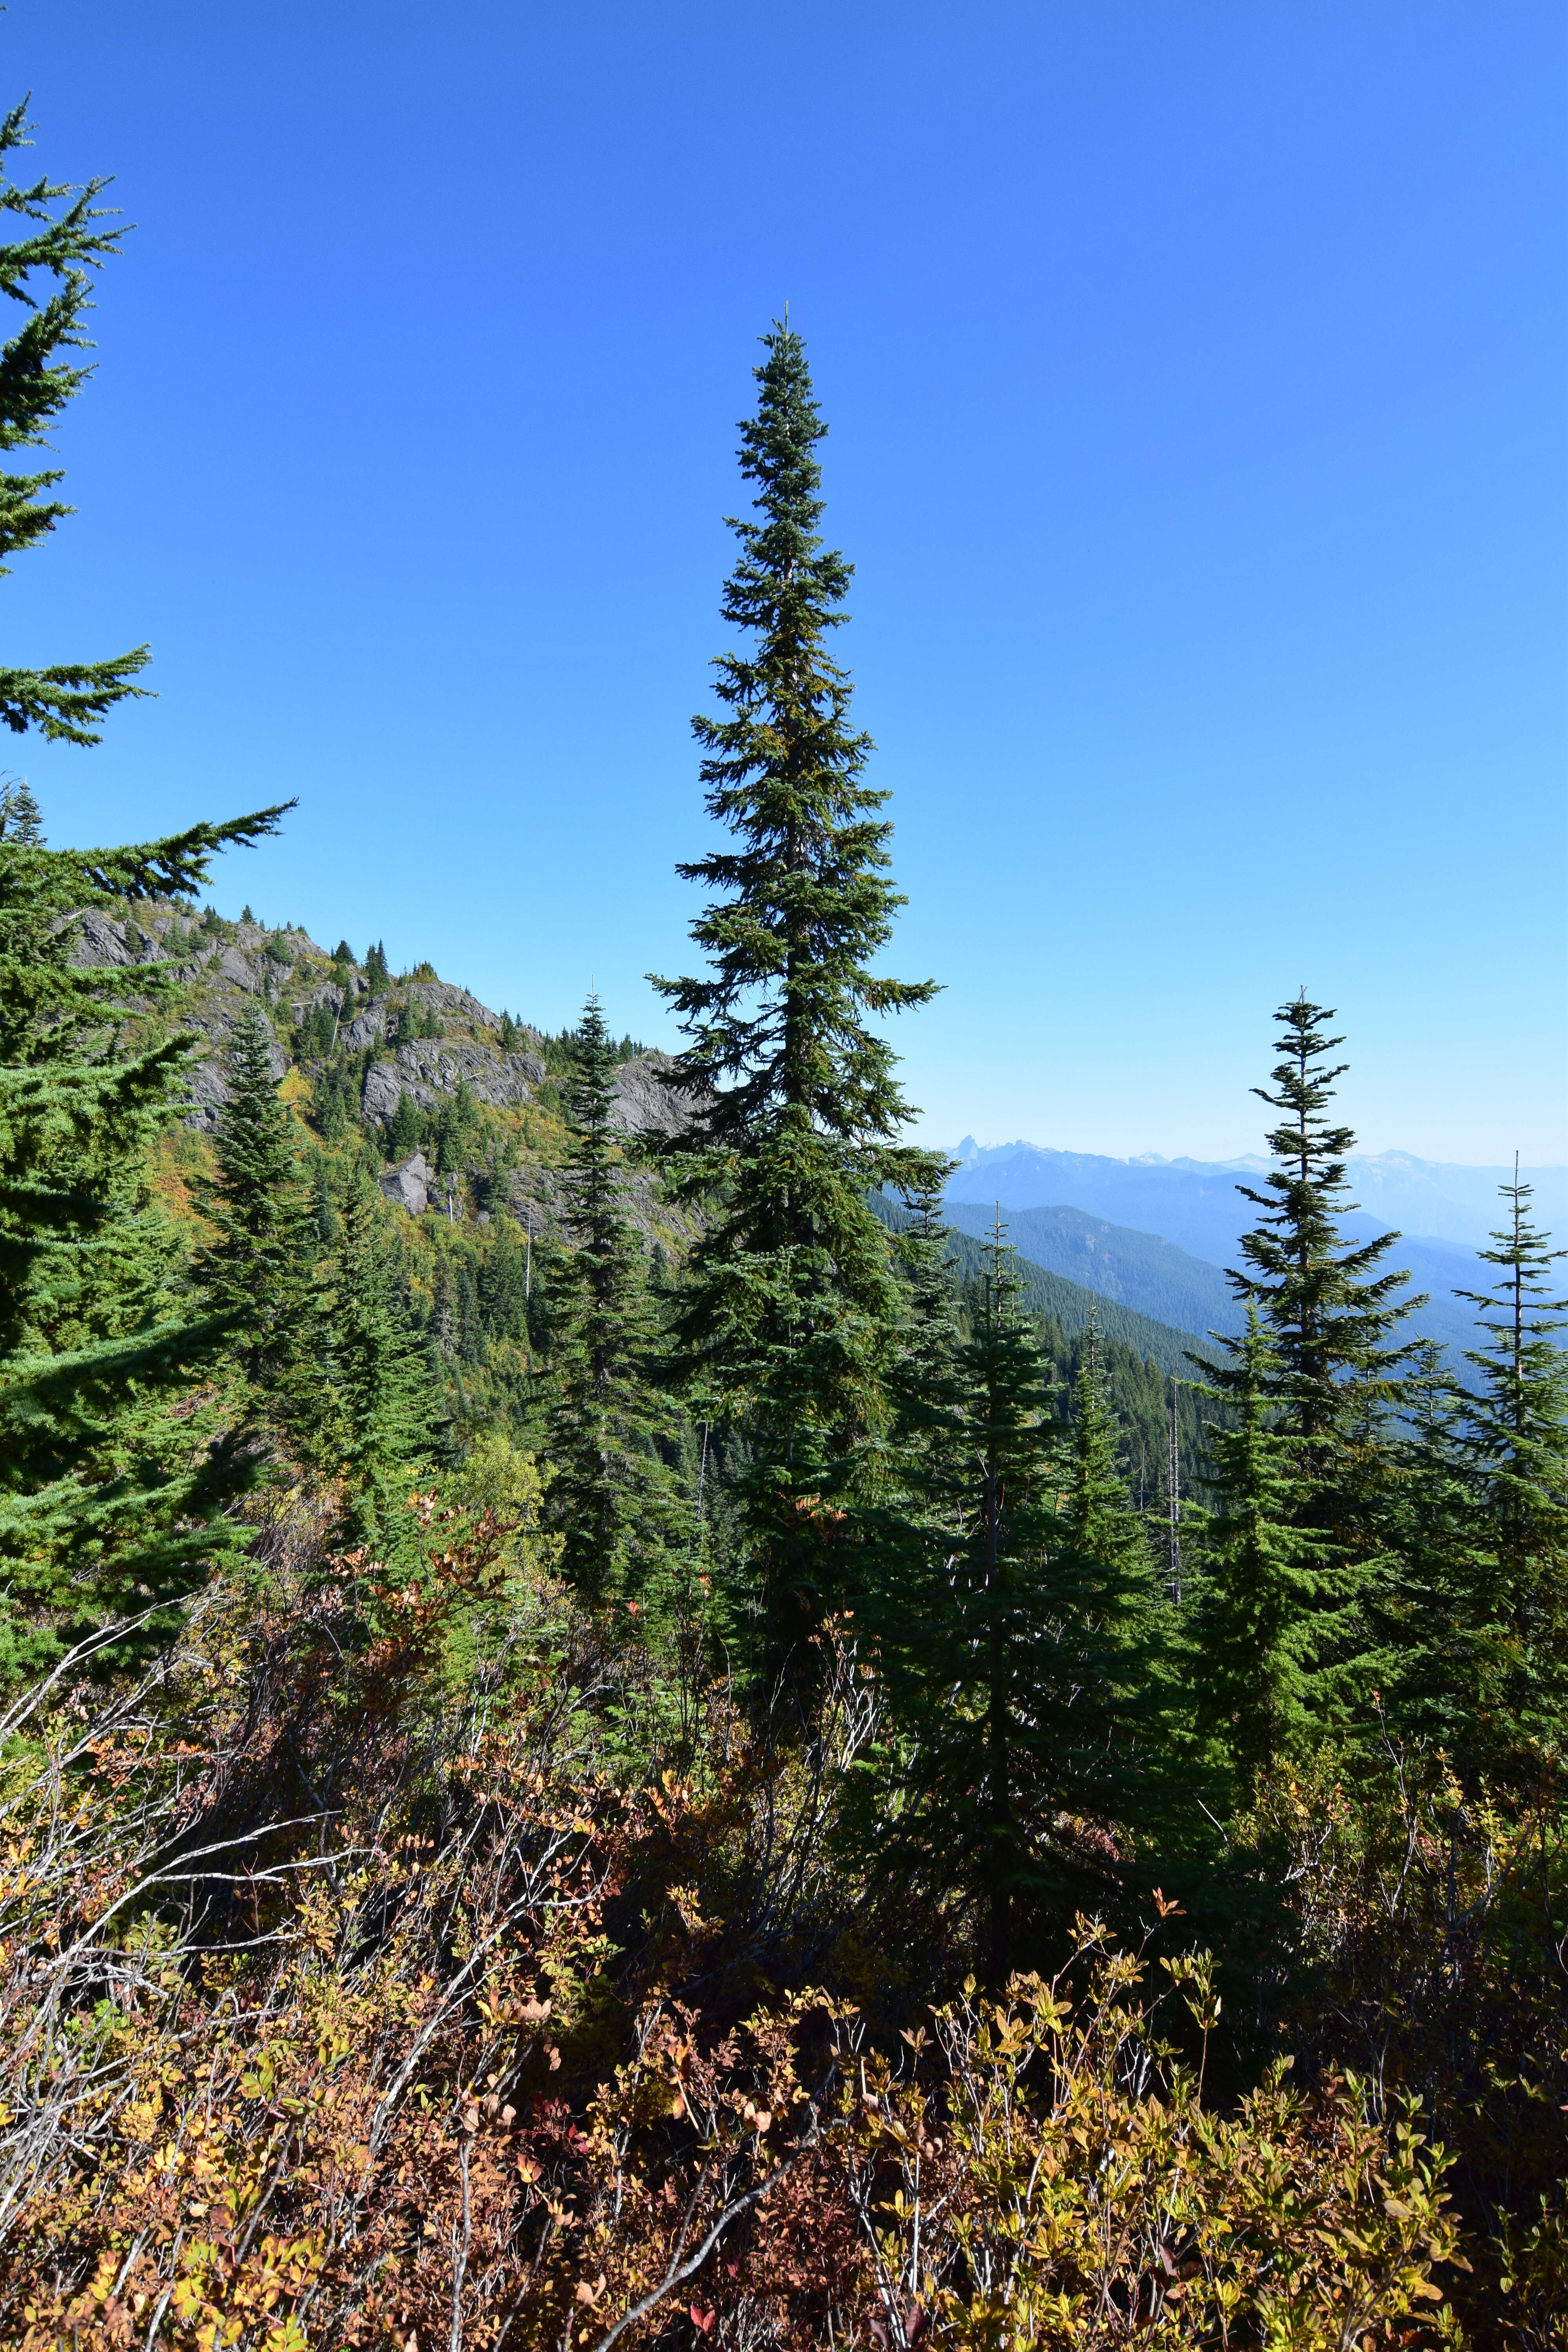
[{"x": 607, "y": 1733}]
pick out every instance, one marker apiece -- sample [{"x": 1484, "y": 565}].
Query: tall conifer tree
[
  {"x": 1097, "y": 1511},
  {"x": 21, "y": 819},
  {"x": 1009, "y": 1650},
  {"x": 63, "y": 239},
  {"x": 1518, "y": 1419},
  {"x": 1270, "y": 1605},
  {"x": 923, "y": 1386},
  {"x": 925, "y": 1368},
  {"x": 971, "y": 1645},
  {"x": 504, "y": 1284},
  {"x": 257, "y": 1270},
  {"x": 792, "y": 1305},
  {"x": 385, "y": 1426},
  {"x": 108, "y": 1503},
  {"x": 403, "y": 1127},
  {"x": 612, "y": 1497},
  {"x": 1329, "y": 1309},
  {"x": 1327, "y": 1375},
  {"x": 1480, "y": 1649}
]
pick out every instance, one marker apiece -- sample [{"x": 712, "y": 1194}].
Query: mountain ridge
[
  {"x": 1199, "y": 1210},
  {"x": 413, "y": 1037},
  {"x": 1066, "y": 1302},
  {"x": 1143, "y": 1272},
  {"x": 1440, "y": 1200}
]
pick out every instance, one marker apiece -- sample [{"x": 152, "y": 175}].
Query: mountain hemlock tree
[
  {"x": 21, "y": 819},
  {"x": 1513, "y": 1453},
  {"x": 402, "y": 1129},
  {"x": 1269, "y": 1603},
  {"x": 613, "y": 1498},
  {"x": 1332, "y": 1378},
  {"x": 258, "y": 1270},
  {"x": 1330, "y": 1312},
  {"x": 380, "y": 1380},
  {"x": 791, "y": 1307}
]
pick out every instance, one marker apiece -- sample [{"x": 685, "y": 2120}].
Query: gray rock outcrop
[
  {"x": 429, "y": 1067},
  {"x": 409, "y": 1183},
  {"x": 100, "y": 940},
  {"x": 381, "y": 1091},
  {"x": 456, "y": 1003},
  {"x": 367, "y": 1028},
  {"x": 646, "y": 1104},
  {"x": 238, "y": 968}
]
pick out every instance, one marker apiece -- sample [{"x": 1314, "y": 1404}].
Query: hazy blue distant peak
[
  {"x": 1195, "y": 1204},
  {"x": 1159, "y": 1159},
  {"x": 1401, "y": 1163},
  {"x": 970, "y": 1154},
  {"x": 1155, "y": 1234}
]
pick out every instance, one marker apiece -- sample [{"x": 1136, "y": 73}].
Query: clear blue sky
[{"x": 1196, "y": 374}]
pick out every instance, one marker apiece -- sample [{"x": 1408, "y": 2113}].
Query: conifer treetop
[
  {"x": 778, "y": 1026},
  {"x": 21, "y": 819},
  {"x": 1330, "y": 1308},
  {"x": 1516, "y": 1313},
  {"x": 1518, "y": 1436},
  {"x": 254, "y": 1268}
]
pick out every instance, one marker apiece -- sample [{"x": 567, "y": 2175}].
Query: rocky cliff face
[
  {"x": 290, "y": 976},
  {"x": 645, "y": 1103}
]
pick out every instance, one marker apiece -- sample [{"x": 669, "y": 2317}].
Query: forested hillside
[
  {"x": 1148, "y": 1369},
  {"x": 455, "y": 1114},
  {"x": 612, "y": 1737},
  {"x": 1140, "y": 1271}
]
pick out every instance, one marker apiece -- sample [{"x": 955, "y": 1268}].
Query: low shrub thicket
[{"x": 356, "y": 1991}]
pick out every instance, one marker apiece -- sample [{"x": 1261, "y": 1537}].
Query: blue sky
[{"x": 1195, "y": 374}]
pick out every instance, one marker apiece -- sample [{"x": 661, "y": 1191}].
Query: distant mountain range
[
  {"x": 1156, "y": 1234},
  {"x": 1047, "y": 1292},
  {"x": 1195, "y": 1204}
]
